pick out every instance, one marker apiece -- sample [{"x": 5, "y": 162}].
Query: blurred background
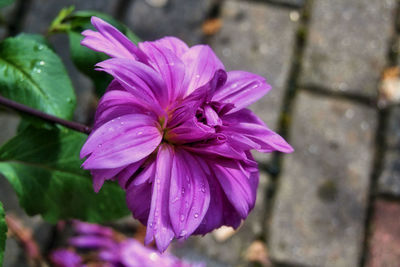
[{"x": 334, "y": 69}]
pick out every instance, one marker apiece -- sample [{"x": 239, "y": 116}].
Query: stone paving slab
[
  {"x": 152, "y": 20},
  {"x": 297, "y": 3},
  {"x": 389, "y": 180},
  {"x": 347, "y": 44},
  {"x": 258, "y": 38},
  {"x": 384, "y": 244},
  {"x": 230, "y": 251},
  {"x": 319, "y": 210}
]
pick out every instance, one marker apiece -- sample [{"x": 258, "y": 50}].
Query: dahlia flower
[
  {"x": 101, "y": 246},
  {"x": 173, "y": 129}
]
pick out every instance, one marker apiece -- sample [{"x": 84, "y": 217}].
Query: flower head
[
  {"x": 104, "y": 247},
  {"x": 174, "y": 130}
]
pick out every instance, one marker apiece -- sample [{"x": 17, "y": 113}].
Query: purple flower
[
  {"x": 111, "y": 250},
  {"x": 174, "y": 130},
  {"x": 65, "y": 258}
]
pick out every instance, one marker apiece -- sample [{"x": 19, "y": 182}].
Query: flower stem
[{"x": 46, "y": 117}]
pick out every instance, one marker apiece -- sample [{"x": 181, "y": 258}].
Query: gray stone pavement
[
  {"x": 322, "y": 208},
  {"x": 347, "y": 44},
  {"x": 319, "y": 212}
]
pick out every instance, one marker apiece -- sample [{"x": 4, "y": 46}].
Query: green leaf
[
  {"x": 4, "y": 3},
  {"x": 32, "y": 74},
  {"x": 3, "y": 233},
  {"x": 84, "y": 58},
  {"x": 43, "y": 166}
]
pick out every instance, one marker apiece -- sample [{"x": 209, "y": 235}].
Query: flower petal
[
  {"x": 110, "y": 41},
  {"x": 126, "y": 174},
  {"x": 116, "y": 103},
  {"x": 138, "y": 199},
  {"x": 140, "y": 80},
  {"x": 189, "y": 194},
  {"x": 246, "y": 123},
  {"x": 159, "y": 225},
  {"x": 238, "y": 187},
  {"x": 201, "y": 64},
  {"x": 241, "y": 89},
  {"x": 101, "y": 175},
  {"x": 177, "y": 46},
  {"x": 169, "y": 66},
  {"x": 121, "y": 142}
]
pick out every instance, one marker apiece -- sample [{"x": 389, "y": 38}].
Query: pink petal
[
  {"x": 140, "y": 80},
  {"x": 116, "y": 103},
  {"x": 201, "y": 64},
  {"x": 138, "y": 199},
  {"x": 177, "y": 46},
  {"x": 110, "y": 41},
  {"x": 159, "y": 225},
  {"x": 120, "y": 142},
  {"x": 101, "y": 175},
  {"x": 241, "y": 89},
  {"x": 238, "y": 187},
  {"x": 126, "y": 174},
  {"x": 246, "y": 123},
  {"x": 189, "y": 194},
  {"x": 169, "y": 66}
]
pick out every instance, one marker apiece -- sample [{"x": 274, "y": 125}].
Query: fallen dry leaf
[{"x": 211, "y": 26}]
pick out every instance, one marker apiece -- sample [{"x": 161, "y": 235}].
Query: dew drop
[
  {"x": 203, "y": 190},
  {"x": 196, "y": 215},
  {"x": 99, "y": 145},
  {"x": 139, "y": 133},
  {"x": 158, "y": 181},
  {"x": 197, "y": 76},
  {"x": 183, "y": 191},
  {"x": 175, "y": 200},
  {"x": 122, "y": 123},
  {"x": 182, "y": 217},
  {"x": 183, "y": 233},
  {"x": 42, "y": 63}
]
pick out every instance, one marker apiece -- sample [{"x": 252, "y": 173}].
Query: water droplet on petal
[
  {"x": 197, "y": 76},
  {"x": 182, "y": 217},
  {"x": 196, "y": 215},
  {"x": 183, "y": 233}
]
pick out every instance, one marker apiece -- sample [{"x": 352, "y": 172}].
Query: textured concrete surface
[
  {"x": 320, "y": 206},
  {"x": 180, "y": 18},
  {"x": 347, "y": 44}
]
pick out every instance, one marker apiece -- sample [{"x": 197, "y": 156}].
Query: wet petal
[
  {"x": 201, "y": 64},
  {"x": 121, "y": 142},
  {"x": 246, "y": 123},
  {"x": 189, "y": 194},
  {"x": 159, "y": 225},
  {"x": 169, "y": 66},
  {"x": 110, "y": 41},
  {"x": 101, "y": 175},
  {"x": 138, "y": 199},
  {"x": 177, "y": 46},
  {"x": 238, "y": 187},
  {"x": 241, "y": 89},
  {"x": 140, "y": 80}
]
